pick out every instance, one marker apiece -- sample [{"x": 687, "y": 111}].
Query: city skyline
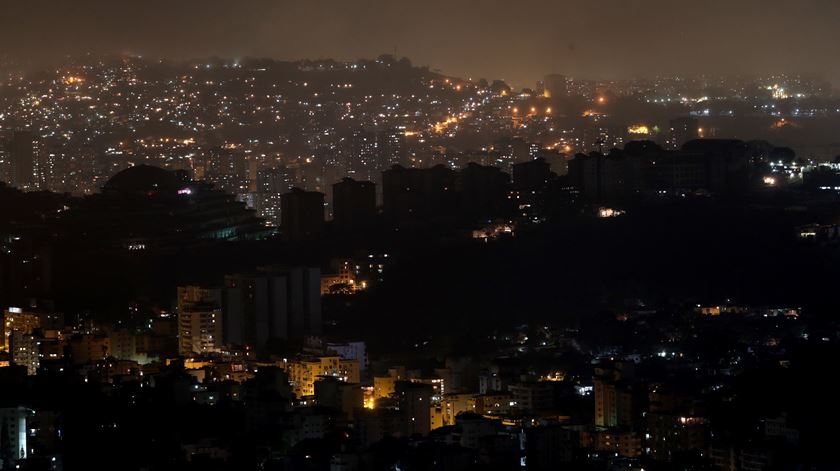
[{"x": 367, "y": 235}]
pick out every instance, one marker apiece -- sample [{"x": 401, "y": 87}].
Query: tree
[{"x": 784, "y": 154}]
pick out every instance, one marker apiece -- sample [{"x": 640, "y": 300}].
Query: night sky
[{"x": 519, "y": 41}]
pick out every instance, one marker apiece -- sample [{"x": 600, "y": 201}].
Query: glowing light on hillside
[{"x": 73, "y": 80}]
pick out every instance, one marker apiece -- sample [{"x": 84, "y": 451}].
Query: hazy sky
[{"x": 516, "y": 40}]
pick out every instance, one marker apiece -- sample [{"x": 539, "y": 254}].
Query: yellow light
[
  {"x": 638, "y": 129},
  {"x": 601, "y": 100},
  {"x": 72, "y": 80},
  {"x": 533, "y": 109},
  {"x": 548, "y": 110},
  {"x": 516, "y": 110}
]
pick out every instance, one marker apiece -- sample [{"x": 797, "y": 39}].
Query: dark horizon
[{"x": 599, "y": 40}]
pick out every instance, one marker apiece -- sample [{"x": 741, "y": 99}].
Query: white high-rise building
[{"x": 13, "y": 433}]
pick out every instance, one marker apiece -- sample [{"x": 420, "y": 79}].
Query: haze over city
[{"x": 519, "y": 42}]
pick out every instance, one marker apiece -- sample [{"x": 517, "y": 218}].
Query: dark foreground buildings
[
  {"x": 258, "y": 361},
  {"x": 642, "y": 167},
  {"x": 354, "y": 204},
  {"x": 302, "y": 215},
  {"x": 272, "y": 304},
  {"x": 441, "y": 194},
  {"x": 145, "y": 207}
]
